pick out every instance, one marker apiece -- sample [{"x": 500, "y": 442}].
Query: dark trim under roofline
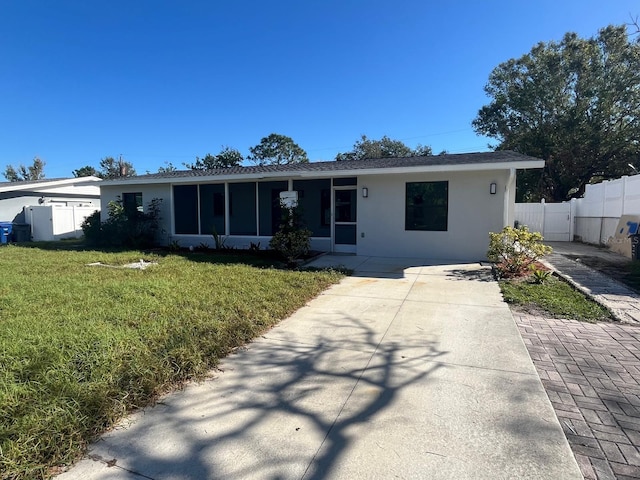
[{"x": 36, "y": 194}]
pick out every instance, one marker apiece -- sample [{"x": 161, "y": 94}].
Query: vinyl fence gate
[{"x": 553, "y": 220}]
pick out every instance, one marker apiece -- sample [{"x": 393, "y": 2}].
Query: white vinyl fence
[
  {"x": 602, "y": 206},
  {"x": 56, "y": 222},
  {"x": 552, "y": 220},
  {"x": 591, "y": 219}
]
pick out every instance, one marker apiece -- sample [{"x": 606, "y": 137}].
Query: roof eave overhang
[
  {"x": 430, "y": 169},
  {"x": 331, "y": 173},
  {"x": 79, "y": 182}
]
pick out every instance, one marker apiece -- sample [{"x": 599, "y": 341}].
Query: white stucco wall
[
  {"x": 473, "y": 213},
  {"x": 149, "y": 192},
  {"x": 89, "y": 191},
  {"x": 12, "y": 209}
]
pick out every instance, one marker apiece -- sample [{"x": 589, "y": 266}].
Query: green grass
[
  {"x": 80, "y": 346},
  {"x": 554, "y": 297}
]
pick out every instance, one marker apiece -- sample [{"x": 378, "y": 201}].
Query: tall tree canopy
[
  {"x": 167, "y": 167},
  {"x": 228, "y": 157},
  {"x": 277, "y": 150},
  {"x": 35, "y": 171},
  {"x": 111, "y": 168},
  {"x": 383, "y": 148},
  {"x": 574, "y": 103},
  {"x": 86, "y": 171}
]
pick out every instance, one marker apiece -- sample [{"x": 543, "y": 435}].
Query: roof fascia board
[
  {"x": 332, "y": 173},
  {"x": 204, "y": 178},
  {"x": 13, "y": 186},
  {"x": 429, "y": 169}
]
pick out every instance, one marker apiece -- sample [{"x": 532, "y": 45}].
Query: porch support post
[
  {"x": 227, "y": 202},
  {"x": 257, "y": 209},
  {"x": 509, "y": 192}
]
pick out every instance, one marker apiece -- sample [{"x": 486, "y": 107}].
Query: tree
[
  {"x": 34, "y": 171},
  {"x": 228, "y": 157},
  {"x": 277, "y": 150},
  {"x": 86, "y": 171},
  {"x": 422, "y": 151},
  {"x": 384, "y": 148},
  {"x": 167, "y": 168},
  {"x": 293, "y": 239},
  {"x": 111, "y": 168},
  {"x": 575, "y": 104}
]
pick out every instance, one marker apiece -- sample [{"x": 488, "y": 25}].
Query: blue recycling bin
[{"x": 5, "y": 232}]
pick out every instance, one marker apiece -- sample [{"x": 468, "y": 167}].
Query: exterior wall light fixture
[
  {"x": 365, "y": 192},
  {"x": 493, "y": 188}
]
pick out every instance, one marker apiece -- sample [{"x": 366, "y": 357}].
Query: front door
[{"x": 344, "y": 220}]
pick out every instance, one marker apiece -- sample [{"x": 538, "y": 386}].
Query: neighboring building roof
[
  {"x": 450, "y": 162},
  {"x": 46, "y": 183}
]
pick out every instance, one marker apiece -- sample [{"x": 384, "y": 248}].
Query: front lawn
[
  {"x": 554, "y": 297},
  {"x": 81, "y": 345}
]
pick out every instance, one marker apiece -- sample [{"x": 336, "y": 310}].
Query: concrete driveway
[{"x": 408, "y": 369}]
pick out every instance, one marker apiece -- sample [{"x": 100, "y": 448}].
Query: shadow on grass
[
  {"x": 284, "y": 409},
  {"x": 261, "y": 258}
]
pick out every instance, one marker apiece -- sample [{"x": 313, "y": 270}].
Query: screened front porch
[{"x": 250, "y": 212}]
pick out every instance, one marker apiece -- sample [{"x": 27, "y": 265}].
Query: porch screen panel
[
  {"x": 345, "y": 234},
  {"x": 314, "y": 197},
  {"x": 185, "y": 208},
  {"x": 242, "y": 208},
  {"x": 269, "y": 202},
  {"x": 212, "y": 209},
  {"x": 345, "y": 181}
]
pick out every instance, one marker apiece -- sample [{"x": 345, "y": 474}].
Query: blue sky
[{"x": 166, "y": 81}]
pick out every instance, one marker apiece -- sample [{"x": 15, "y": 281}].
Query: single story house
[
  {"x": 69, "y": 192},
  {"x": 438, "y": 207}
]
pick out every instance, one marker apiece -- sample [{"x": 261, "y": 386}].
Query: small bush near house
[
  {"x": 515, "y": 250},
  {"x": 92, "y": 228},
  {"x": 539, "y": 273},
  {"x": 292, "y": 240},
  {"x": 124, "y": 228}
]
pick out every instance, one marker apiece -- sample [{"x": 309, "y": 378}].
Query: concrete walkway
[
  {"x": 623, "y": 302},
  {"x": 405, "y": 370}
]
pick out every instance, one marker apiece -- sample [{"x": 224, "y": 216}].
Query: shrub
[
  {"x": 540, "y": 275},
  {"x": 513, "y": 250},
  {"x": 124, "y": 228},
  {"x": 220, "y": 241},
  {"x": 92, "y": 228},
  {"x": 292, "y": 240}
]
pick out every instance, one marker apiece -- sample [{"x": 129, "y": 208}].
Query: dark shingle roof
[{"x": 503, "y": 156}]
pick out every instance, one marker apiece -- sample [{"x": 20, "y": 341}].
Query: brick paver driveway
[{"x": 591, "y": 373}]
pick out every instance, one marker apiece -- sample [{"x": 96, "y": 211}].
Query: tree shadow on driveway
[{"x": 279, "y": 409}]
